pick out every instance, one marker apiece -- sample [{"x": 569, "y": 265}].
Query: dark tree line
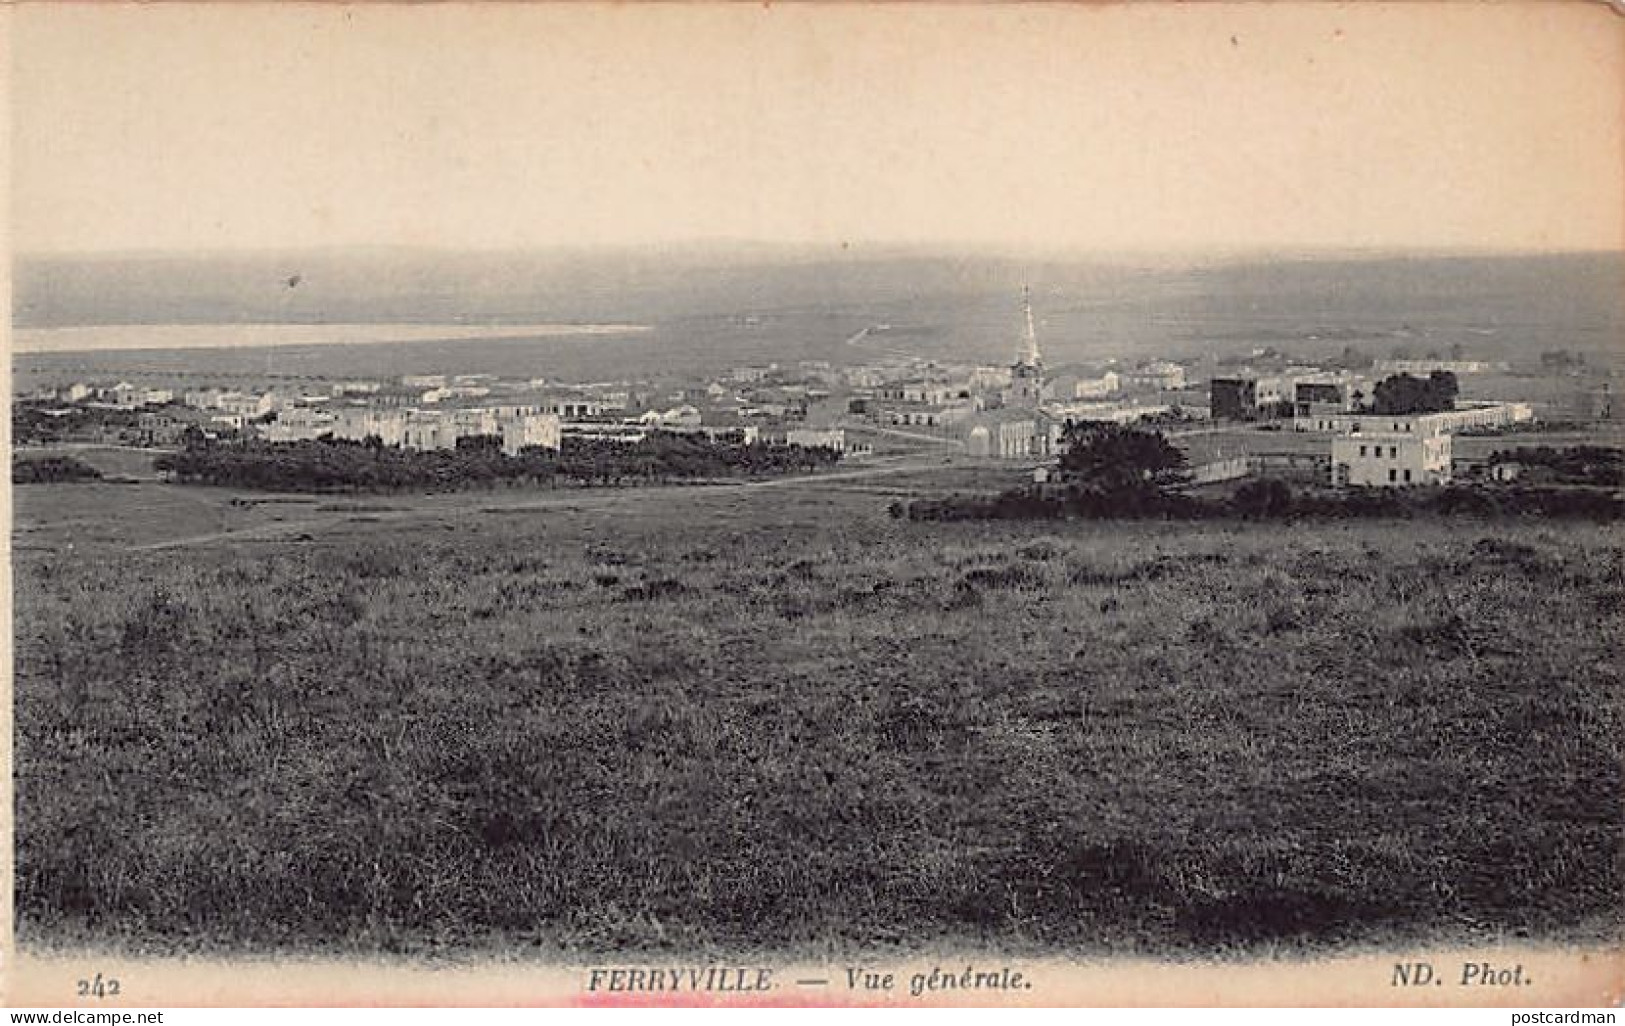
[{"x": 329, "y": 464}]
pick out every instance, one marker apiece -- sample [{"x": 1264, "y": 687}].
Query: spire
[{"x": 1029, "y": 337}]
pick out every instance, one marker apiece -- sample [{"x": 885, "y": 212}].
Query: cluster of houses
[
  {"x": 435, "y": 411},
  {"x": 122, "y": 396},
  {"x": 518, "y": 424},
  {"x": 1021, "y": 411},
  {"x": 1363, "y": 448}
]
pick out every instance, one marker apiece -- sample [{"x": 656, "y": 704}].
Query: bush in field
[
  {"x": 1457, "y": 501},
  {"x": 52, "y": 470},
  {"x": 1263, "y": 499}
]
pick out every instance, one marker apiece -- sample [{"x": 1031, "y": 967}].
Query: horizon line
[{"x": 850, "y": 249}]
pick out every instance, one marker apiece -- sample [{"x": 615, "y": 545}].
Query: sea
[{"x": 694, "y": 322}]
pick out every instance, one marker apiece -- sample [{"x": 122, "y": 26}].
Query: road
[{"x": 913, "y": 435}]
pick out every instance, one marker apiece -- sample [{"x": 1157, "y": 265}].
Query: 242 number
[{"x": 98, "y": 987}]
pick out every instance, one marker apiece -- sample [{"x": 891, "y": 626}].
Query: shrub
[
  {"x": 1263, "y": 499},
  {"x": 52, "y": 470}
]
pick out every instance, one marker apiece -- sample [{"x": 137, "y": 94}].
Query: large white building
[
  {"x": 1388, "y": 459},
  {"x": 1467, "y": 416}
]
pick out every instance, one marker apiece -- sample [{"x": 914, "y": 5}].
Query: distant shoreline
[{"x": 136, "y": 337}]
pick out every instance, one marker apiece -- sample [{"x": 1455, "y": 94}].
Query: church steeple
[
  {"x": 1027, "y": 373},
  {"x": 1029, "y": 337}
]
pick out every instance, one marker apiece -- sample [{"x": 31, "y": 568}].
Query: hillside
[{"x": 774, "y": 719}]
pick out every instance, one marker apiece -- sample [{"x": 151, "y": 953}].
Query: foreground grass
[{"x": 779, "y": 722}]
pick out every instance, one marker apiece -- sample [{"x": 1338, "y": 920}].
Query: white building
[
  {"x": 1012, "y": 433},
  {"x": 1390, "y": 459},
  {"x": 435, "y": 395},
  {"x": 1116, "y": 413},
  {"x": 1108, "y": 384},
  {"x": 1467, "y": 416},
  {"x": 985, "y": 379},
  {"x": 203, "y": 398},
  {"x": 1423, "y": 368},
  {"x": 924, "y": 393},
  {"x": 357, "y": 423},
  {"x": 811, "y": 438},
  {"x": 678, "y": 417},
  {"x": 245, "y": 405},
  {"x": 300, "y": 423},
  {"x": 1154, "y": 376},
  {"x": 576, "y": 407},
  {"x": 124, "y": 394},
  {"x": 434, "y": 430},
  {"x": 927, "y": 416},
  {"x": 529, "y": 429}
]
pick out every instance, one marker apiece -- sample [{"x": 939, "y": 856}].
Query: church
[{"x": 1019, "y": 429}]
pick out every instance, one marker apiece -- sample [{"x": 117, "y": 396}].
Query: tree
[
  {"x": 1403, "y": 394},
  {"x": 1121, "y": 460}
]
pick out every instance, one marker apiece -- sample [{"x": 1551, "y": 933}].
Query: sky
[{"x": 1057, "y": 128}]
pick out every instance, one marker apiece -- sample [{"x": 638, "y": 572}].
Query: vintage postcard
[{"x": 816, "y": 504}]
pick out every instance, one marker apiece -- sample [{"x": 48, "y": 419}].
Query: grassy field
[{"x": 775, "y": 719}]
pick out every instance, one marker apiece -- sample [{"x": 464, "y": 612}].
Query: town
[{"x": 1360, "y": 421}]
